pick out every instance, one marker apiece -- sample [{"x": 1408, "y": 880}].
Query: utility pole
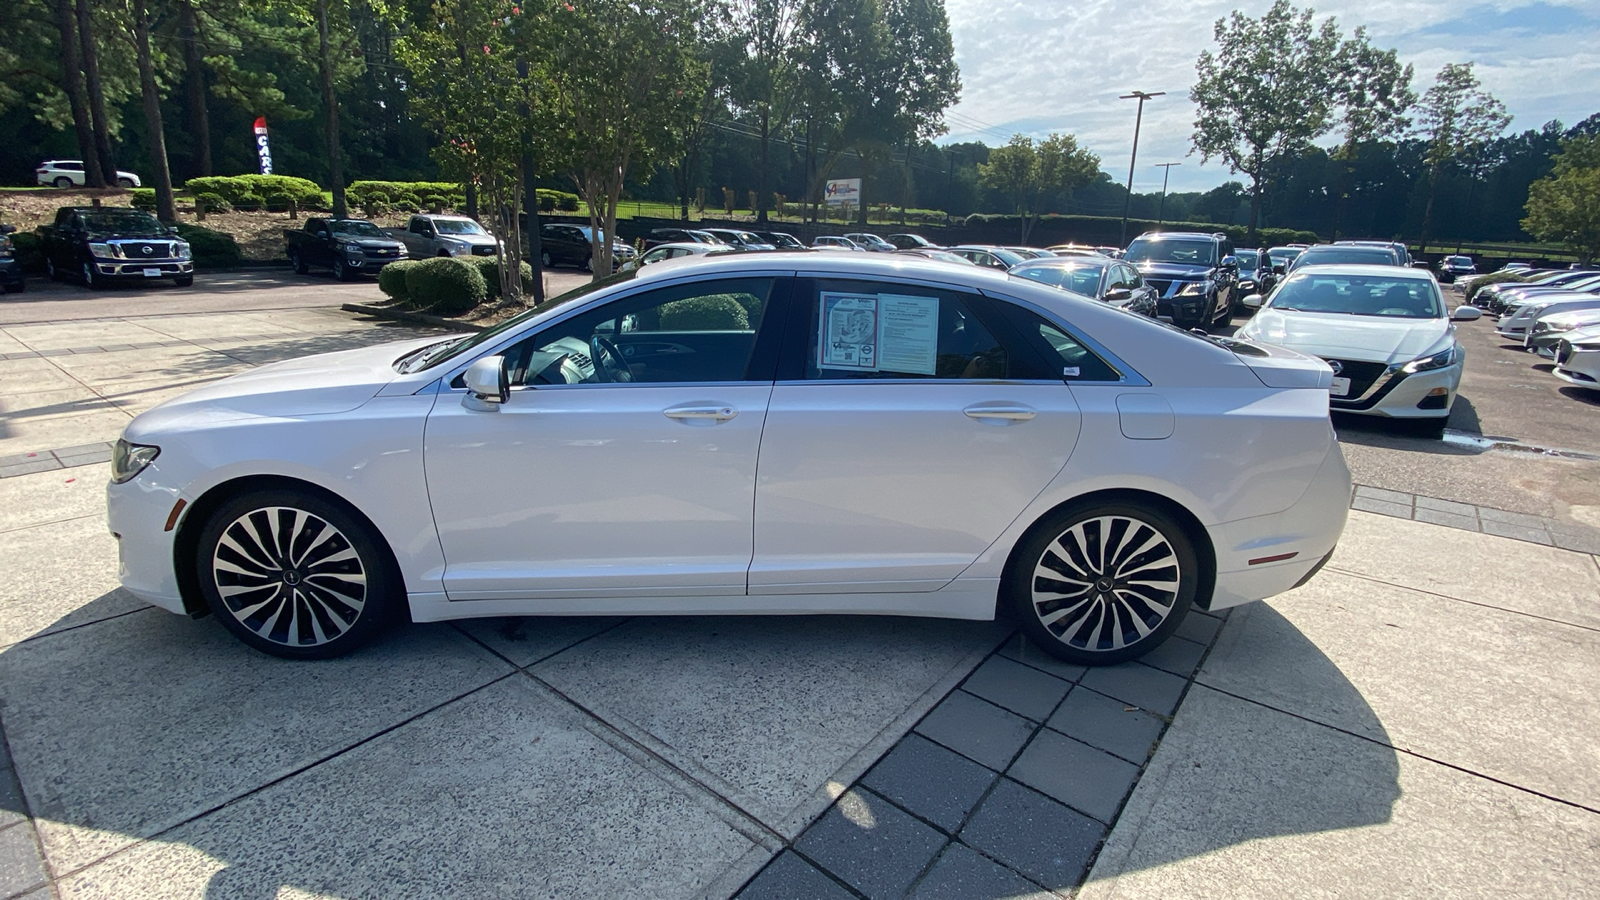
[
  {"x": 1137, "y": 121},
  {"x": 1161, "y": 218}
]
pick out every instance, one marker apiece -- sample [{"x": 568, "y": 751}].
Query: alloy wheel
[
  {"x": 289, "y": 576},
  {"x": 1105, "y": 583}
]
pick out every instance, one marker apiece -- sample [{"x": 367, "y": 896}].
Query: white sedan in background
[
  {"x": 1385, "y": 332},
  {"x": 677, "y": 250},
  {"x": 1577, "y": 357},
  {"x": 934, "y": 440}
]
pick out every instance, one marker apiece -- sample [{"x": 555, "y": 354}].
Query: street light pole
[
  {"x": 1137, "y": 121},
  {"x": 1161, "y": 219}
]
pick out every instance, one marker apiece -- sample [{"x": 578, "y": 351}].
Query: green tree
[
  {"x": 626, "y": 78},
  {"x": 1375, "y": 96},
  {"x": 760, "y": 49},
  {"x": 1457, "y": 119},
  {"x": 1266, "y": 93},
  {"x": 1031, "y": 173},
  {"x": 1565, "y": 206}
]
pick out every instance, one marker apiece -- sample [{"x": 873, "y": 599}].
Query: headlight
[
  {"x": 183, "y": 250},
  {"x": 1247, "y": 285},
  {"x": 103, "y": 251},
  {"x": 1192, "y": 289},
  {"x": 128, "y": 460},
  {"x": 1440, "y": 360}
]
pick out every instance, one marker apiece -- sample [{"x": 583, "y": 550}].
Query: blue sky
[{"x": 1036, "y": 66}]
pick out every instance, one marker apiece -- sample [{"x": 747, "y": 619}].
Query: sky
[{"x": 1038, "y": 66}]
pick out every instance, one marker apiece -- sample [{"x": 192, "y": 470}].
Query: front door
[
  {"x": 623, "y": 463},
  {"x": 905, "y": 443}
]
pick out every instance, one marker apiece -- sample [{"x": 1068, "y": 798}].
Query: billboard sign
[
  {"x": 263, "y": 151},
  {"x": 843, "y": 190}
]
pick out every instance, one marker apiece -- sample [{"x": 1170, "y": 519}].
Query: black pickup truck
[
  {"x": 103, "y": 243},
  {"x": 349, "y": 247}
]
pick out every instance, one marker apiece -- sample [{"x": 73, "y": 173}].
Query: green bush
[
  {"x": 29, "y": 247},
  {"x": 1100, "y": 230},
  {"x": 445, "y": 285},
  {"x": 436, "y": 202},
  {"x": 212, "y": 249},
  {"x": 214, "y": 203},
  {"x": 489, "y": 268},
  {"x": 718, "y": 312},
  {"x": 396, "y": 192},
  {"x": 551, "y": 201},
  {"x": 1480, "y": 283},
  {"x": 253, "y": 190},
  {"x": 392, "y": 279},
  {"x": 144, "y": 198}
]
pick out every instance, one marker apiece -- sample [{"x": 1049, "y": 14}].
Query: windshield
[
  {"x": 128, "y": 221},
  {"x": 1081, "y": 278},
  {"x": 1339, "y": 256},
  {"x": 1459, "y": 260},
  {"x": 1247, "y": 258},
  {"x": 444, "y": 351},
  {"x": 1195, "y": 253},
  {"x": 355, "y": 228},
  {"x": 457, "y": 226},
  {"x": 749, "y": 238},
  {"x": 1360, "y": 295},
  {"x": 1282, "y": 256}
]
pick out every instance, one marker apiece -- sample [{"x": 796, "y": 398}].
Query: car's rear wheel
[
  {"x": 296, "y": 576},
  {"x": 1101, "y": 583},
  {"x": 299, "y": 264},
  {"x": 125, "y": 182},
  {"x": 544, "y": 259},
  {"x": 63, "y": 182}
]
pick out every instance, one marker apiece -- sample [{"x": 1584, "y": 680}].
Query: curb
[{"x": 414, "y": 318}]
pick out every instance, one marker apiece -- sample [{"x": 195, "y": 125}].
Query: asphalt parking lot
[{"x": 1415, "y": 721}]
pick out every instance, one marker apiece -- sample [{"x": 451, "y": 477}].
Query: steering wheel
[{"x": 608, "y": 362}]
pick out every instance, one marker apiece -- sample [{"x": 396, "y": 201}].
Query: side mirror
[
  {"x": 1117, "y": 295},
  {"x": 487, "y": 384},
  {"x": 1253, "y": 301},
  {"x": 1466, "y": 314},
  {"x": 1230, "y": 262},
  {"x": 1277, "y": 270}
]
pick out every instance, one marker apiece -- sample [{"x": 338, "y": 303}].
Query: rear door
[{"x": 905, "y": 432}]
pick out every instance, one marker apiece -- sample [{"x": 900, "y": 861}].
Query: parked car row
[{"x": 1554, "y": 314}]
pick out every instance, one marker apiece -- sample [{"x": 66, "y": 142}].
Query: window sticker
[
  {"x": 849, "y": 332},
  {"x": 908, "y": 333}
]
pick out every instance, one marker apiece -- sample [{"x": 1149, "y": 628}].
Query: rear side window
[
  {"x": 881, "y": 330},
  {"x": 1069, "y": 359}
]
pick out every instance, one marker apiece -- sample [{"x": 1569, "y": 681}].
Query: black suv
[
  {"x": 574, "y": 245},
  {"x": 1195, "y": 274}
]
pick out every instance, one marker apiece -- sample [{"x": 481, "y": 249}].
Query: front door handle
[
  {"x": 1009, "y": 412},
  {"x": 700, "y": 413}
]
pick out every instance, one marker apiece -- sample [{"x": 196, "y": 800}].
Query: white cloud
[{"x": 1049, "y": 65}]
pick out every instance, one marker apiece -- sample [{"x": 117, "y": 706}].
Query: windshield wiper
[{"x": 419, "y": 358}]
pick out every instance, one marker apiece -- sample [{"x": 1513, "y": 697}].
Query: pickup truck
[
  {"x": 10, "y": 269},
  {"x": 102, "y": 243},
  {"x": 349, "y": 247},
  {"x": 445, "y": 236}
]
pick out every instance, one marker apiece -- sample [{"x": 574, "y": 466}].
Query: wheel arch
[
  {"x": 186, "y": 541},
  {"x": 1191, "y": 524}
]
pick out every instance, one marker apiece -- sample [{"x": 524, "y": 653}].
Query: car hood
[
  {"x": 131, "y": 235},
  {"x": 319, "y": 385},
  {"x": 1172, "y": 270},
  {"x": 367, "y": 243},
  {"x": 1340, "y": 336}
]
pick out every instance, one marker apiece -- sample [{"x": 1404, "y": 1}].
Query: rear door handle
[
  {"x": 1009, "y": 412},
  {"x": 701, "y": 413}
]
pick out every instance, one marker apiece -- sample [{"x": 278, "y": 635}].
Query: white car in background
[
  {"x": 66, "y": 173},
  {"x": 678, "y": 250},
  {"x": 935, "y": 440},
  {"x": 1578, "y": 358},
  {"x": 1548, "y": 329},
  {"x": 1385, "y": 332},
  {"x": 1517, "y": 324}
]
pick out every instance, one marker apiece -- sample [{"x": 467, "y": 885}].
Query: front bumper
[
  {"x": 137, "y": 513},
  {"x": 1578, "y": 366},
  {"x": 144, "y": 268},
  {"x": 1397, "y": 395}
]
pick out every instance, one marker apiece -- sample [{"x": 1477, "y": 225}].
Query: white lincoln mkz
[{"x": 768, "y": 433}]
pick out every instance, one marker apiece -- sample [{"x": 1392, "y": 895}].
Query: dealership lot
[{"x": 1415, "y": 709}]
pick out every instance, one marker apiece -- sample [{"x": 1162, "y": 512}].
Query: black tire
[
  {"x": 544, "y": 259},
  {"x": 17, "y": 288},
  {"x": 298, "y": 264},
  {"x": 588, "y": 264},
  {"x": 50, "y": 269},
  {"x": 63, "y": 182},
  {"x": 125, "y": 183},
  {"x": 340, "y": 270},
  {"x": 89, "y": 279},
  {"x": 1072, "y": 536},
  {"x": 184, "y": 281},
  {"x": 357, "y": 589},
  {"x": 444, "y": 252}
]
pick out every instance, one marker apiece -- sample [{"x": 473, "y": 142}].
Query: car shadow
[
  {"x": 1390, "y": 434},
  {"x": 1283, "y": 745},
  {"x": 131, "y": 728},
  {"x": 1590, "y": 396}
]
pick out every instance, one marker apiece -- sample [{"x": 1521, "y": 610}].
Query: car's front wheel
[
  {"x": 126, "y": 183},
  {"x": 298, "y": 264},
  {"x": 341, "y": 271},
  {"x": 1101, "y": 583},
  {"x": 89, "y": 279},
  {"x": 296, "y": 576},
  {"x": 63, "y": 182}
]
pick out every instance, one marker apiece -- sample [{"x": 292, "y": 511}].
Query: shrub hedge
[
  {"x": 392, "y": 279},
  {"x": 255, "y": 191},
  {"x": 214, "y": 203},
  {"x": 143, "y": 198},
  {"x": 378, "y": 197},
  {"x": 1054, "y": 229},
  {"x": 29, "y": 247},
  {"x": 489, "y": 268},
  {"x": 445, "y": 285},
  {"x": 1484, "y": 281},
  {"x": 551, "y": 201},
  {"x": 718, "y": 312},
  {"x": 212, "y": 249}
]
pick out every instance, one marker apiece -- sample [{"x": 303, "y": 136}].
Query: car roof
[
  {"x": 1363, "y": 269},
  {"x": 1067, "y": 262},
  {"x": 685, "y": 245},
  {"x": 1164, "y": 235}
]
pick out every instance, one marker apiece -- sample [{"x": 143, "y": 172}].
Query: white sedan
[
  {"x": 932, "y": 440},
  {"x": 1578, "y": 357},
  {"x": 1383, "y": 330}
]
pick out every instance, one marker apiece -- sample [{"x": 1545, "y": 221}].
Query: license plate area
[
  {"x": 152, "y": 273},
  {"x": 1340, "y": 387}
]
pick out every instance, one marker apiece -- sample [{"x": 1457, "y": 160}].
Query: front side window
[
  {"x": 703, "y": 331},
  {"x": 878, "y": 330},
  {"x": 1083, "y": 278},
  {"x": 459, "y": 226}
]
